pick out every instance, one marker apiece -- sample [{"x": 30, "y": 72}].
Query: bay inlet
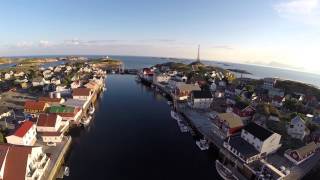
[{"x": 134, "y": 137}]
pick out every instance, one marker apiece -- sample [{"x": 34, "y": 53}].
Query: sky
[{"x": 280, "y": 33}]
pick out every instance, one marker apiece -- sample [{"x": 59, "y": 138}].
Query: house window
[{"x": 291, "y": 126}]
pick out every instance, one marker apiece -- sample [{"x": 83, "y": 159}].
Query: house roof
[
  {"x": 278, "y": 99},
  {"x": 81, "y": 92},
  {"x": 34, "y": 105},
  {"x": 232, "y": 119},
  {"x": 303, "y": 151},
  {"x": 16, "y": 161},
  {"x": 23, "y": 128},
  {"x": 48, "y": 99},
  {"x": 47, "y": 120},
  {"x": 258, "y": 131},
  {"x": 187, "y": 87},
  {"x": 61, "y": 109},
  {"x": 4, "y": 109},
  {"x": 242, "y": 146},
  {"x": 74, "y": 102},
  {"x": 201, "y": 94},
  {"x": 3, "y": 154},
  {"x": 297, "y": 119},
  {"x": 50, "y": 133}
]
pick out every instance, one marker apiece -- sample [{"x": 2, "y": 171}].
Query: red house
[
  {"x": 228, "y": 123},
  {"x": 244, "y": 111}
]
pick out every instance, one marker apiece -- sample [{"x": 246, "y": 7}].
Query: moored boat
[
  {"x": 203, "y": 144},
  {"x": 175, "y": 115},
  {"x": 66, "y": 171},
  {"x": 86, "y": 121},
  {"x": 224, "y": 172},
  {"x": 91, "y": 110}
]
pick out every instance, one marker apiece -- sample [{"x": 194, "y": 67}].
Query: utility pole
[{"x": 198, "y": 56}]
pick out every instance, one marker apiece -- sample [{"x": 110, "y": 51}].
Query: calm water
[{"x": 134, "y": 137}]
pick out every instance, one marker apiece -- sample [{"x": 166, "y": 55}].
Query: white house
[
  {"x": 159, "y": 78},
  {"x": 81, "y": 93},
  {"x": 7, "y": 76},
  {"x": 22, "y": 162},
  {"x": 25, "y": 135},
  {"x": 200, "y": 99},
  {"x": 297, "y": 128},
  {"x": 254, "y": 143},
  {"x": 51, "y": 127}
]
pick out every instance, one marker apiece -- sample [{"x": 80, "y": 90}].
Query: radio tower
[{"x": 198, "y": 57}]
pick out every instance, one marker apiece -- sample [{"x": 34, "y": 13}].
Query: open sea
[{"x": 137, "y": 62}]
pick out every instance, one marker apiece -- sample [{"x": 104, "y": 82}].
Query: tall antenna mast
[{"x": 198, "y": 57}]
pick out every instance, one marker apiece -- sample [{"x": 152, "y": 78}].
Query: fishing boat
[
  {"x": 175, "y": 115},
  {"x": 86, "y": 121},
  {"x": 224, "y": 172},
  {"x": 203, "y": 144},
  {"x": 183, "y": 127},
  {"x": 91, "y": 110},
  {"x": 66, "y": 171}
]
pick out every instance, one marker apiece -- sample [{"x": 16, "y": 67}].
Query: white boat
[
  {"x": 224, "y": 172},
  {"x": 87, "y": 120},
  {"x": 182, "y": 126},
  {"x": 66, "y": 171},
  {"x": 104, "y": 89},
  {"x": 175, "y": 115},
  {"x": 91, "y": 110},
  {"x": 169, "y": 103},
  {"x": 203, "y": 144}
]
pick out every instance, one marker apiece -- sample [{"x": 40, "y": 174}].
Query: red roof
[
  {"x": 48, "y": 99},
  {"x": 34, "y": 105},
  {"x": 47, "y": 120},
  {"x": 16, "y": 161},
  {"x": 278, "y": 98},
  {"x": 23, "y": 129},
  {"x": 81, "y": 92}
]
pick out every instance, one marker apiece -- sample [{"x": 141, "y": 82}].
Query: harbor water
[{"x": 134, "y": 137}]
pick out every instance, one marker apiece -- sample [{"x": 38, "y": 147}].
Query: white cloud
[
  {"x": 306, "y": 11},
  {"x": 44, "y": 43},
  {"x": 24, "y": 44},
  {"x": 303, "y": 7}
]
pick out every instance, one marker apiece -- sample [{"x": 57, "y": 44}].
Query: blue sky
[{"x": 268, "y": 32}]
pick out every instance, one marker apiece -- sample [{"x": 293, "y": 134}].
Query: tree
[{"x": 1, "y": 138}]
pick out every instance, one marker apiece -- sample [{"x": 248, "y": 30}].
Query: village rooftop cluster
[
  {"x": 37, "y": 108},
  {"x": 262, "y": 131}
]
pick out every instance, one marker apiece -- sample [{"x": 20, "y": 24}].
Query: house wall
[
  {"x": 255, "y": 142},
  {"x": 272, "y": 144},
  {"x": 201, "y": 103},
  {"x": 297, "y": 130},
  {"x": 55, "y": 139},
  {"x": 27, "y": 140},
  {"x": 81, "y": 97}
]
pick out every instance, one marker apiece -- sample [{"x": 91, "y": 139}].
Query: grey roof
[
  {"x": 201, "y": 94},
  {"x": 243, "y": 147},
  {"x": 74, "y": 103},
  {"x": 258, "y": 131}
]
